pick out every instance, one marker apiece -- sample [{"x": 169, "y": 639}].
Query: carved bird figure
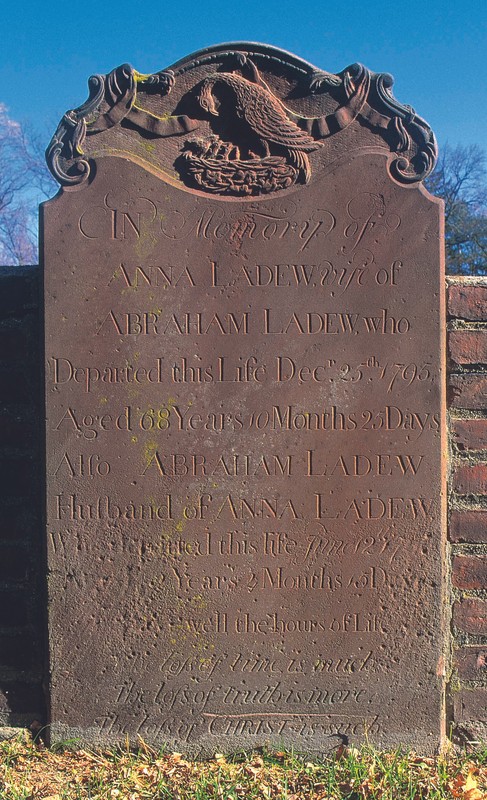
[{"x": 264, "y": 115}]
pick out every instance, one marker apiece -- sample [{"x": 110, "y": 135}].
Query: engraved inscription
[{"x": 243, "y": 419}]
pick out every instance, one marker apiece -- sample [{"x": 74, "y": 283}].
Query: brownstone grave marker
[{"x": 244, "y": 410}]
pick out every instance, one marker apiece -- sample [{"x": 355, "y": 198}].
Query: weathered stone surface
[
  {"x": 243, "y": 339},
  {"x": 7, "y": 732}
]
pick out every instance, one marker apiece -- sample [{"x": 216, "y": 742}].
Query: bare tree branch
[
  {"x": 460, "y": 179},
  {"x": 24, "y": 182}
]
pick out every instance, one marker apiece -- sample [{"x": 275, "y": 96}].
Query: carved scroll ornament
[{"x": 240, "y": 121}]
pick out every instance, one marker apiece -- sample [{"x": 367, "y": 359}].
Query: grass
[{"x": 30, "y": 771}]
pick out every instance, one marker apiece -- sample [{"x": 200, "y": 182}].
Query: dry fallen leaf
[
  {"x": 470, "y": 789},
  {"x": 474, "y": 794}
]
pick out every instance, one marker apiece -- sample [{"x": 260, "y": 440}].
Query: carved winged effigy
[{"x": 240, "y": 120}]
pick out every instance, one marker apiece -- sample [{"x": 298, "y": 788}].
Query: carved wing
[
  {"x": 268, "y": 118},
  {"x": 349, "y": 98}
]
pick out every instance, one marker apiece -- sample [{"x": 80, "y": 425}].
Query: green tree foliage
[{"x": 460, "y": 179}]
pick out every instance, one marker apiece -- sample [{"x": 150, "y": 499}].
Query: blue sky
[{"x": 435, "y": 50}]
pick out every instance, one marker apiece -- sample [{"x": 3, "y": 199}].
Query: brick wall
[
  {"x": 21, "y": 422},
  {"x": 22, "y": 637},
  {"x": 467, "y": 401}
]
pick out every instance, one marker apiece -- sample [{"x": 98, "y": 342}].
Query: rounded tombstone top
[{"x": 240, "y": 120}]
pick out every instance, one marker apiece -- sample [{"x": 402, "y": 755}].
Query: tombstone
[{"x": 244, "y": 366}]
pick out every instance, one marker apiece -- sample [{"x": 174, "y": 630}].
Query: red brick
[
  {"x": 467, "y": 391},
  {"x": 468, "y": 347},
  {"x": 18, "y": 385},
  {"x": 470, "y": 572},
  {"x": 470, "y": 479},
  {"x": 468, "y": 526},
  {"x": 19, "y": 476},
  {"x": 19, "y": 341},
  {"x": 19, "y": 649},
  {"x": 19, "y": 520},
  {"x": 21, "y": 698},
  {"x": 470, "y": 615},
  {"x": 467, "y": 302},
  {"x": 471, "y": 662},
  {"x": 13, "y": 563},
  {"x": 469, "y": 434},
  {"x": 13, "y": 609},
  {"x": 20, "y": 428},
  {"x": 470, "y": 705},
  {"x": 19, "y": 290}
]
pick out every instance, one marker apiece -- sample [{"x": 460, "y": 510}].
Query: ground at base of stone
[{"x": 31, "y": 771}]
